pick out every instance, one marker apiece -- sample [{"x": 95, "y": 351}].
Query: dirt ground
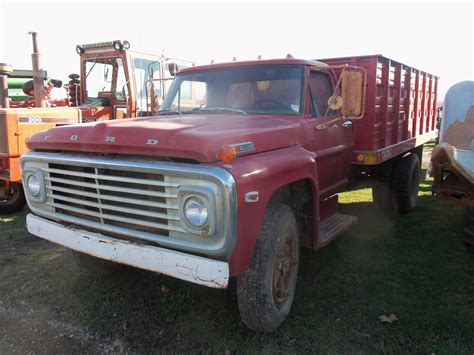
[
  {"x": 35, "y": 332},
  {"x": 28, "y": 329}
]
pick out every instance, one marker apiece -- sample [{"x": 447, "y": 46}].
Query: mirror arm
[
  {"x": 344, "y": 67},
  {"x": 335, "y": 90}
]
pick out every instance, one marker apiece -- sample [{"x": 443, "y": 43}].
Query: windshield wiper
[
  {"x": 93, "y": 65},
  {"x": 219, "y": 109},
  {"x": 168, "y": 111}
]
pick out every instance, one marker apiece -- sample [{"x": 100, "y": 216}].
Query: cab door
[{"x": 332, "y": 135}]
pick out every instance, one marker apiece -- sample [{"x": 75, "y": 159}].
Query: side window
[
  {"x": 321, "y": 90},
  {"x": 142, "y": 67}
]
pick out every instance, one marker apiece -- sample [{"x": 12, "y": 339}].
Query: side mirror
[
  {"x": 353, "y": 83},
  {"x": 173, "y": 68}
]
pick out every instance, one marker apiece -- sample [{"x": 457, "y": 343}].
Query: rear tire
[
  {"x": 468, "y": 226},
  {"x": 266, "y": 290},
  {"x": 94, "y": 266},
  {"x": 14, "y": 201},
  {"x": 406, "y": 182}
]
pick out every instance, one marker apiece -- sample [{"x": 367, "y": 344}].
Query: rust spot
[{"x": 460, "y": 134}]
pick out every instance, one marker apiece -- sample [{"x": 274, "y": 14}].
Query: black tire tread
[
  {"x": 14, "y": 206},
  {"x": 255, "y": 310},
  {"x": 404, "y": 169}
]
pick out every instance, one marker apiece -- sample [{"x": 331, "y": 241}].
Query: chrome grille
[
  {"x": 130, "y": 199},
  {"x": 136, "y": 198}
]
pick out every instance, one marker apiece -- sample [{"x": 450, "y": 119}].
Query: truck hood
[{"x": 198, "y": 137}]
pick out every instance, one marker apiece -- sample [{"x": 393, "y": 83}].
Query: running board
[{"x": 334, "y": 226}]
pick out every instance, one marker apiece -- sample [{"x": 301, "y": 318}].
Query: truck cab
[
  {"x": 240, "y": 167},
  {"x": 112, "y": 84}
]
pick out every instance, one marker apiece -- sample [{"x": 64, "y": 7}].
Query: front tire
[
  {"x": 266, "y": 290},
  {"x": 468, "y": 226},
  {"x": 12, "y": 201}
]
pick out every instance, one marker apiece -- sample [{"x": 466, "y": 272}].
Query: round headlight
[
  {"x": 34, "y": 185},
  {"x": 195, "y": 212}
]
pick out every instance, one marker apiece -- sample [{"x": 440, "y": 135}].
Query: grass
[{"x": 414, "y": 267}]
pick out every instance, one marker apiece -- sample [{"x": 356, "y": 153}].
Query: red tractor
[{"x": 114, "y": 83}]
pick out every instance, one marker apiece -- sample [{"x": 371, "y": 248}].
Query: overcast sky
[{"x": 434, "y": 37}]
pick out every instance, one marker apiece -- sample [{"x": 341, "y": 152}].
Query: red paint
[
  {"x": 400, "y": 104},
  {"x": 197, "y": 137},
  {"x": 287, "y": 148},
  {"x": 265, "y": 173}
]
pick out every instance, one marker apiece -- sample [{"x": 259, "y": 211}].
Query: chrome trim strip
[
  {"x": 110, "y": 207},
  {"x": 112, "y": 188},
  {"x": 113, "y": 218},
  {"x": 110, "y": 178},
  {"x": 113, "y": 198}
]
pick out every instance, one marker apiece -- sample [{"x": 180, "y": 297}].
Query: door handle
[{"x": 347, "y": 124}]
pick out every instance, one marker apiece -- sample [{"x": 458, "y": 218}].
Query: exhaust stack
[
  {"x": 38, "y": 74},
  {"x": 5, "y": 70}
]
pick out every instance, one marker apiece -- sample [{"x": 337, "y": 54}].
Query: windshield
[
  {"x": 258, "y": 90},
  {"x": 105, "y": 75}
]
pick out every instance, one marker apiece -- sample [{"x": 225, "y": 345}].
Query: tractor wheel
[
  {"x": 266, "y": 290},
  {"x": 406, "y": 182},
  {"x": 12, "y": 201},
  {"x": 469, "y": 226},
  {"x": 94, "y": 266}
]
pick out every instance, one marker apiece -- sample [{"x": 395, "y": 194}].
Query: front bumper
[{"x": 196, "y": 269}]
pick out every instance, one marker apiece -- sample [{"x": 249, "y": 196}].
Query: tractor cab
[{"x": 114, "y": 78}]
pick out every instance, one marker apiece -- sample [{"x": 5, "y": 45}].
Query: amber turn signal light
[{"x": 227, "y": 154}]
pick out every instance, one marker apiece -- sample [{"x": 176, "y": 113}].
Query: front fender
[{"x": 265, "y": 173}]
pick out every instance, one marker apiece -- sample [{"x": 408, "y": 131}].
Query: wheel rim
[
  {"x": 8, "y": 200},
  {"x": 284, "y": 270}
]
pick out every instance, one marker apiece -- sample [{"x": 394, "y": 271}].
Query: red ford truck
[{"x": 240, "y": 167}]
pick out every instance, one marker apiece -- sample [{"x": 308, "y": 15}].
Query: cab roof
[{"x": 258, "y": 62}]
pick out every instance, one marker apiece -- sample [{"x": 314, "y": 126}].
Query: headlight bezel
[
  {"x": 208, "y": 197},
  {"x": 38, "y": 174}
]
